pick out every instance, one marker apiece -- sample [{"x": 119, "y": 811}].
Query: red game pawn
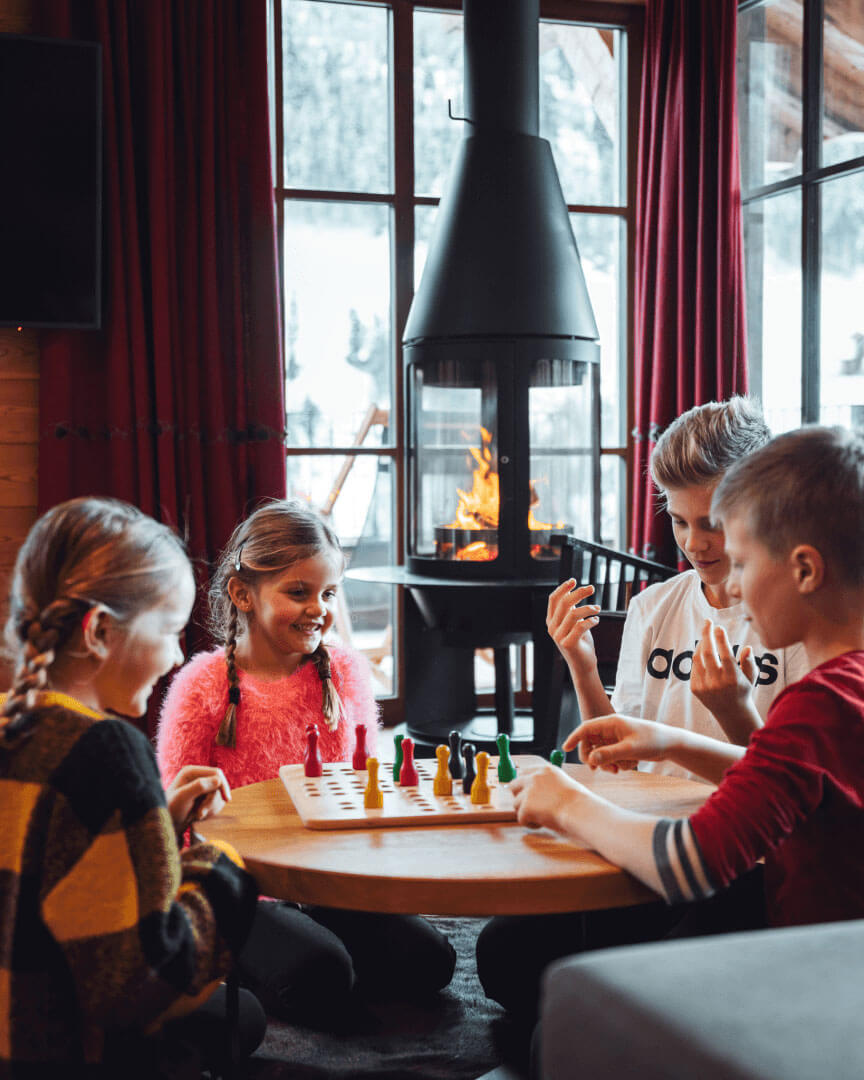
[
  {"x": 408, "y": 776},
  {"x": 312, "y": 764},
  {"x": 360, "y": 752}
]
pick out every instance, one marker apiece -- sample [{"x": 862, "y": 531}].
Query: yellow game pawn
[
  {"x": 443, "y": 782},
  {"x": 373, "y": 796},
  {"x": 480, "y": 793}
]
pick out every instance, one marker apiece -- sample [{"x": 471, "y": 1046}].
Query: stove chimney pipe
[
  {"x": 503, "y": 262},
  {"x": 502, "y": 65}
]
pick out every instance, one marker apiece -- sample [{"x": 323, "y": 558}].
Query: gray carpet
[{"x": 457, "y": 1035}]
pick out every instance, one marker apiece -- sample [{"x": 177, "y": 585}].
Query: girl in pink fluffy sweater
[{"x": 245, "y": 708}]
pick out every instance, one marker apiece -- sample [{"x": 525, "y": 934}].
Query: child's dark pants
[
  {"x": 303, "y": 962},
  {"x": 514, "y": 951}
]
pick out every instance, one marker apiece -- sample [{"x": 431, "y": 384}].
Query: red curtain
[
  {"x": 176, "y": 404},
  {"x": 689, "y": 294}
]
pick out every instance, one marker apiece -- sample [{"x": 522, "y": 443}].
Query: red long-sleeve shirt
[{"x": 796, "y": 798}]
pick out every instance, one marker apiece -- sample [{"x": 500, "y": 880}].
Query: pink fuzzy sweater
[{"x": 271, "y": 718}]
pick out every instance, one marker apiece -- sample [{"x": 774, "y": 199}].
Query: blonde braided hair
[
  {"x": 84, "y": 553},
  {"x": 272, "y": 538},
  {"x": 42, "y": 635}
]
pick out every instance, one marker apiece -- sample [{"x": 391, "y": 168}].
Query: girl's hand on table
[
  {"x": 617, "y": 742},
  {"x": 195, "y": 793}
]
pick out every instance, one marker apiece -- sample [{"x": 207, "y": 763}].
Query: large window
[
  {"x": 365, "y": 96},
  {"x": 801, "y": 106}
]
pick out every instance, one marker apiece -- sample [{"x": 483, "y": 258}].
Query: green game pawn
[
  {"x": 557, "y": 758},
  {"x": 506, "y": 768},
  {"x": 397, "y": 762}
]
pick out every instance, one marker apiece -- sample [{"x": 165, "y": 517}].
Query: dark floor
[{"x": 457, "y": 1035}]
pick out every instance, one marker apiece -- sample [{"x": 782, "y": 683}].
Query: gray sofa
[{"x": 774, "y": 1005}]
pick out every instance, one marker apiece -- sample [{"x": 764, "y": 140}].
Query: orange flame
[{"x": 479, "y": 507}]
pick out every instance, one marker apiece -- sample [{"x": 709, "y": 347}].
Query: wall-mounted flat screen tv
[{"x": 50, "y": 182}]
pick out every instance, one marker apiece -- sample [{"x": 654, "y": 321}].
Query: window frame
[
  {"x": 626, "y": 15},
  {"x": 809, "y": 182}
]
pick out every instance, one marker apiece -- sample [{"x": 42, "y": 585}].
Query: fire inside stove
[{"x": 472, "y": 535}]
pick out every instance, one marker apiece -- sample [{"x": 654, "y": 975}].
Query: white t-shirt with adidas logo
[{"x": 663, "y": 625}]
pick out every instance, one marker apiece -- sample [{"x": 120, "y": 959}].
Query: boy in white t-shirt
[{"x": 689, "y": 656}]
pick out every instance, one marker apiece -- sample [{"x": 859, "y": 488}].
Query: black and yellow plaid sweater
[{"x": 105, "y": 924}]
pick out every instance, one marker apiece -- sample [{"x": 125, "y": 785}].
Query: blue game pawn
[
  {"x": 468, "y": 750},
  {"x": 455, "y": 740},
  {"x": 506, "y": 768}
]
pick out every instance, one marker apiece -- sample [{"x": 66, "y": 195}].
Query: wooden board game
[{"x": 335, "y": 800}]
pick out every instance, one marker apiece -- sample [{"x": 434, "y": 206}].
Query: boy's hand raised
[
  {"x": 569, "y": 621},
  {"x": 724, "y": 684},
  {"x": 195, "y": 793},
  {"x": 717, "y": 678},
  {"x": 620, "y": 742}
]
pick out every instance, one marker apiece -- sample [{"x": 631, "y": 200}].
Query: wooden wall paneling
[
  {"x": 16, "y": 16},
  {"x": 19, "y": 439},
  {"x": 19, "y": 407},
  {"x": 18, "y": 476},
  {"x": 14, "y": 524}
]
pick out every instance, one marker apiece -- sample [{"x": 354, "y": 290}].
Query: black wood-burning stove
[
  {"x": 502, "y": 392},
  {"x": 503, "y": 454}
]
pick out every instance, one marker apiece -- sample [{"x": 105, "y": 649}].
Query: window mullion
[
  {"x": 403, "y": 163},
  {"x": 403, "y": 277},
  {"x": 811, "y": 304},
  {"x": 279, "y": 151},
  {"x": 810, "y": 214}
]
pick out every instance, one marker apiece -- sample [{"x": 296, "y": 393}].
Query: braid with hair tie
[
  {"x": 331, "y": 704},
  {"x": 42, "y": 635},
  {"x": 227, "y": 733}
]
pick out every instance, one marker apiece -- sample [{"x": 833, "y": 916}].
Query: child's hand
[
  {"x": 619, "y": 742},
  {"x": 569, "y": 622},
  {"x": 541, "y": 795},
  {"x": 720, "y": 682},
  {"x": 195, "y": 793}
]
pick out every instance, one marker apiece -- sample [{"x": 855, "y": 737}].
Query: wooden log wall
[
  {"x": 19, "y": 396},
  {"x": 19, "y": 434}
]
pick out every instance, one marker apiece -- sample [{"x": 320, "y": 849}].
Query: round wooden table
[{"x": 466, "y": 869}]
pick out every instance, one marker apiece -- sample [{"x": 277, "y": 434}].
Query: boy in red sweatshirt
[{"x": 793, "y": 516}]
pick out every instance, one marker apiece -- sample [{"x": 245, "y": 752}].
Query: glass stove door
[
  {"x": 456, "y": 477},
  {"x": 561, "y": 459}
]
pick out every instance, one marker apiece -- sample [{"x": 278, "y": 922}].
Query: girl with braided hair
[
  {"x": 246, "y": 705},
  {"x": 112, "y": 931},
  {"x": 245, "y": 708}
]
